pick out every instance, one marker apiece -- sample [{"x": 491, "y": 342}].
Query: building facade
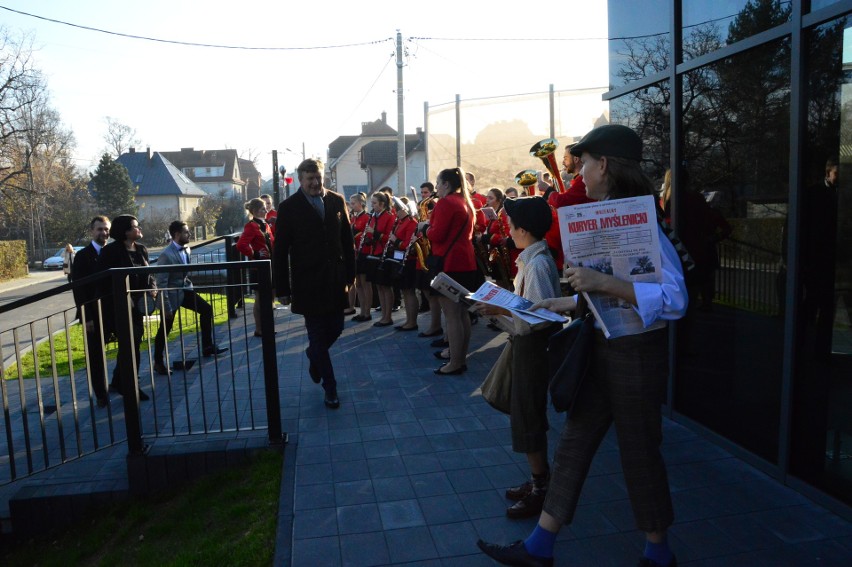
[{"x": 748, "y": 103}]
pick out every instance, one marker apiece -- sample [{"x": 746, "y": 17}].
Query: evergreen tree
[{"x": 114, "y": 193}]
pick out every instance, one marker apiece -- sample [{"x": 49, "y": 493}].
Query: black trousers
[
  {"x": 118, "y": 380},
  {"x": 323, "y": 331},
  {"x": 193, "y": 302},
  {"x": 97, "y": 370}
]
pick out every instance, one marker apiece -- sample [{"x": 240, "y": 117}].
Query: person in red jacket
[
  {"x": 359, "y": 217},
  {"x": 451, "y": 236},
  {"x": 496, "y": 236},
  {"x": 376, "y": 238},
  {"x": 400, "y": 243},
  {"x": 271, "y": 213},
  {"x": 256, "y": 243}
]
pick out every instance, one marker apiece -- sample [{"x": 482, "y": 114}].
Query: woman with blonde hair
[
  {"x": 256, "y": 243},
  {"x": 451, "y": 236}
]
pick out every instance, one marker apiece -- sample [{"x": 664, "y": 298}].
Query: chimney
[
  {"x": 131, "y": 150},
  {"x": 384, "y": 117},
  {"x": 148, "y": 150}
]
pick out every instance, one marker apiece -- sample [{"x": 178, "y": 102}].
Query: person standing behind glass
[
  {"x": 451, "y": 236},
  {"x": 626, "y": 384}
]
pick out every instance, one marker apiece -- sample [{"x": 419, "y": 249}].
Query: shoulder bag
[
  {"x": 569, "y": 355},
  {"x": 497, "y": 386}
]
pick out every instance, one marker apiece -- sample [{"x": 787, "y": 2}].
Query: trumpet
[
  {"x": 526, "y": 179},
  {"x": 544, "y": 150}
]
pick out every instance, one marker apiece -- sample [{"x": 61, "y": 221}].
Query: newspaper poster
[{"x": 617, "y": 237}]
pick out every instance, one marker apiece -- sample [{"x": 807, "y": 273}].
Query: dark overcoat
[{"x": 313, "y": 259}]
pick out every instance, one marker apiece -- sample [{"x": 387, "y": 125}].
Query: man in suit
[
  {"x": 313, "y": 263},
  {"x": 178, "y": 291},
  {"x": 86, "y": 263}
]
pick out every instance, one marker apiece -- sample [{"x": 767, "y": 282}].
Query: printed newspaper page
[{"x": 617, "y": 237}]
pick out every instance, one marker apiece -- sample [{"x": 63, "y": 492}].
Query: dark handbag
[
  {"x": 435, "y": 264},
  {"x": 569, "y": 354}
]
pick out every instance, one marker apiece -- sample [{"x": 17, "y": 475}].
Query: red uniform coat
[
  {"x": 375, "y": 242},
  {"x": 359, "y": 223},
  {"x": 452, "y": 220},
  {"x": 252, "y": 241}
]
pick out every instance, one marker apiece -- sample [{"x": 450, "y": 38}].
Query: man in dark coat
[
  {"x": 86, "y": 263},
  {"x": 313, "y": 261}
]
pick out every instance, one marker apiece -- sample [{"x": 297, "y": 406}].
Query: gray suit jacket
[{"x": 172, "y": 283}]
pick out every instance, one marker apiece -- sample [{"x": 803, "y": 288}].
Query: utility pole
[
  {"x": 400, "y": 108},
  {"x": 276, "y": 186}
]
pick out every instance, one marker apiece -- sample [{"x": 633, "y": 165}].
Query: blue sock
[
  {"x": 540, "y": 542},
  {"x": 659, "y": 552}
]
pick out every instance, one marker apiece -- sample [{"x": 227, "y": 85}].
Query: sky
[{"x": 333, "y": 66}]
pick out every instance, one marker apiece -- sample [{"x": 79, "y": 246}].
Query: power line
[{"x": 193, "y": 44}]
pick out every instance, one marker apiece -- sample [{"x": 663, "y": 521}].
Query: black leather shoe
[
  {"x": 439, "y": 354},
  {"x": 460, "y": 370},
  {"x": 382, "y": 323},
  {"x": 513, "y": 554},
  {"x": 161, "y": 369},
  {"x": 424, "y": 334},
  {"x": 645, "y": 562},
  {"x": 527, "y": 507},
  {"x": 315, "y": 375},
  {"x": 143, "y": 397},
  {"x": 517, "y": 493},
  {"x": 331, "y": 401},
  {"x": 214, "y": 351},
  {"x": 440, "y": 343}
]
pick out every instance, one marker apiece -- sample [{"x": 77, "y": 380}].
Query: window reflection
[
  {"x": 711, "y": 24},
  {"x": 731, "y": 211},
  {"x": 647, "y": 112},
  {"x": 639, "y": 41},
  {"x": 822, "y": 397}
]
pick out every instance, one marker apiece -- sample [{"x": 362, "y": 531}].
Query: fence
[
  {"x": 50, "y": 413},
  {"x": 748, "y": 277}
]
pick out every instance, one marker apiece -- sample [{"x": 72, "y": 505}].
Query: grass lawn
[
  {"x": 74, "y": 341},
  {"x": 228, "y": 518}
]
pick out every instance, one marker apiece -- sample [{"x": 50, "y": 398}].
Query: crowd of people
[{"x": 376, "y": 254}]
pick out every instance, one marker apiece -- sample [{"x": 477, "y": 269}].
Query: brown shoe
[
  {"x": 517, "y": 493},
  {"x": 530, "y": 506}
]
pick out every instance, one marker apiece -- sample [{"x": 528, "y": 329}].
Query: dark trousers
[
  {"x": 323, "y": 331},
  {"x": 123, "y": 383},
  {"x": 193, "y": 302},
  {"x": 97, "y": 370},
  {"x": 528, "y": 402},
  {"x": 626, "y": 387}
]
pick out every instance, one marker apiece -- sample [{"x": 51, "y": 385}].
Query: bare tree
[{"x": 119, "y": 138}]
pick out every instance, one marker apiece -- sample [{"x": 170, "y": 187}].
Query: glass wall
[
  {"x": 732, "y": 207},
  {"x": 822, "y": 400},
  {"x": 639, "y": 40},
  {"x": 711, "y": 24}
]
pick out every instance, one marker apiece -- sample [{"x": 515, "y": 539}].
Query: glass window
[
  {"x": 647, "y": 111},
  {"x": 820, "y": 4},
  {"x": 731, "y": 210},
  {"x": 639, "y": 40},
  {"x": 711, "y": 24},
  {"x": 822, "y": 395}
]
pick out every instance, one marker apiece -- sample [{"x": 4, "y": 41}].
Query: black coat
[
  {"x": 116, "y": 255},
  {"x": 313, "y": 260},
  {"x": 86, "y": 263}
]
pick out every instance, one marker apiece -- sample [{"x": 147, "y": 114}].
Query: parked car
[{"x": 55, "y": 261}]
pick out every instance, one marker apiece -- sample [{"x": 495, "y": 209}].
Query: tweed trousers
[{"x": 626, "y": 387}]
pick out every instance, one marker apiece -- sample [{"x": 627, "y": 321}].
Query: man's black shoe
[
  {"x": 214, "y": 351},
  {"x": 440, "y": 343},
  {"x": 161, "y": 369},
  {"x": 513, "y": 554},
  {"x": 143, "y": 397},
  {"x": 331, "y": 401},
  {"x": 315, "y": 375}
]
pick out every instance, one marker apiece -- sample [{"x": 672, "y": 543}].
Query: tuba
[
  {"x": 544, "y": 150},
  {"x": 526, "y": 179}
]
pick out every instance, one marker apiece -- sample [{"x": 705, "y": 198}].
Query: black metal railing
[
  {"x": 747, "y": 277},
  {"x": 50, "y": 411}
]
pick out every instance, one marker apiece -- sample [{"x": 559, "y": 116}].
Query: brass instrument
[
  {"x": 423, "y": 208},
  {"x": 526, "y": 179},
  {"x": 544, "y": 150},
  {"x": 501, "y": 261}
]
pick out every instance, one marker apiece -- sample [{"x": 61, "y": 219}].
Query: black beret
[{"x": 613, "y": 140}]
